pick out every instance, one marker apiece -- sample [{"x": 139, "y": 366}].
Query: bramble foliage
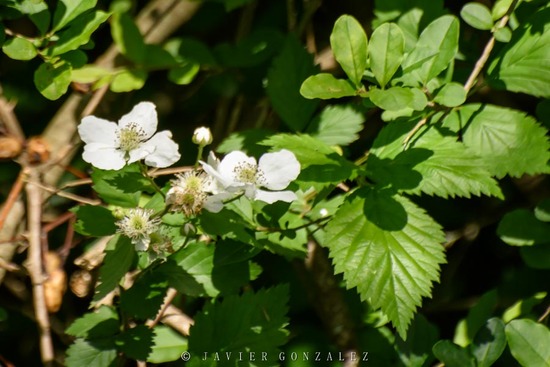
[{"x": 369, "y": 162}]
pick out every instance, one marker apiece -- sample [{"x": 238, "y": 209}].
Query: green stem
[
  {"x": 199, "y": 155},
  {"x": 143, "y": 169}
]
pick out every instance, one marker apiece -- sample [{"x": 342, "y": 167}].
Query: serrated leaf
[
  {"x": 102, "y": 322},
  {"x": 77, "y": 33},
  {"x": 252, "y": 322},
  {"x": 435, "y": 49},
  {"x": 92, "y": 353},
  {"x": 119, "y": 256},
  {"x": 389, "y": 249},
  {"x": 349, "y": 45},
  {"x": 489, "y": 343},
  {"x": 391, "y": 99},
  {"x": 521, "y": 64},
  {"x": 128, "y": 80},
  {"x": 19, "y": 48},
  {"x": 167, "y": 345},
  {"x": 136, "y": 343},
  {"x": 477, "y": 15},
  {"x": 451, "y": 95},
  {"x": 67, "y": 10},
  {"x": 326, "y": 86},
  {"x": 94, "y": 221},
  {"x": 122, "y": 187},
  {"x": 528, "y": 342},
  {"x": 453, "y": 355},
  {"x": 522, "y": 228},
  {"x": 508, "y": 141},
  {"x": 289, "y": 69},
  {"x": 446, "y": 167},
  {"x": 144, "y": 298},
  {"x": 52, "y": 81},
  {"x": 386, "y": 50},
  {"x": 127, "y": 37},
  {"x": 337, "y": 125}
]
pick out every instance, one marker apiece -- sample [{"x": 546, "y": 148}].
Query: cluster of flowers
[{"x": 110, "y": 146}]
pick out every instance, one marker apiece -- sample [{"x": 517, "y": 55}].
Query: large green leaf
[
  {"x": 167, "y": 345},
  {"x": 326, "y": 86},
  {"x": 388, "y": 248},
  {"x": 67, "y": 10},
  {"x": 508, "y": 141},
  {"x": 453, "y": 355},
  {"x": 92, "y": 353},
  {"x": 489, "y": 343},
  {"x": 349, "y": 45},
  {"x": 144, "y": 298},
  {"x": 77, "y": 33},
  {"x": 386, "y": 50},
  {"x": 528, "y": 342},
  {"x": 122, "y": 187},
  {"x": 119, "y": 256},
  {"x": 53, "y": 80},
  {"x": 435, "y": 49},
  {"x": 19, "y": 48},
  {"x": 99, "y": 323},
  {"x": 289, "y": 70},
  {"x": 251, "y": 323},
  {"x": 392, "y": 99},
  {"x": 337, "y": 125},
  {"x": 127, "y": 37},
  {"x": 94, "y": 220},
  {"x": 433, "y": 164},
  {"x": 522, "y": 66}
]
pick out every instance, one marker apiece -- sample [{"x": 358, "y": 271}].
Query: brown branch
[
  {"x": 7, "y": 116},
  {"x": 35, "y": 265}
]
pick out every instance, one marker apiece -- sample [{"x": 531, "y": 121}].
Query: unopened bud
[{"x": 202, "y": 136}]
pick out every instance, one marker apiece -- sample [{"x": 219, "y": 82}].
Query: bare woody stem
[
  {"x": 34, "y": 217},
  {"x": 487, "y": 50}
]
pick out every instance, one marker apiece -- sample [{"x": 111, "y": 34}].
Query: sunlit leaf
[
  {"x": 19, "y": 48},
  {"x": 337, "y": 125},
  {"x": 477, "y": 15},
  {"x": 529, "y": 341},
  {"x": 349, "y": 45},
  {"x": 53, "y": 80},
  {"x": 326, "y": 86},
  {"x": 386, "y": 49}
]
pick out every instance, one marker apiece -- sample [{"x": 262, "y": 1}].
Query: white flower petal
[
  {"x": 214, "y": 203},
  {"x": 144, "y": 114},
  {"x": 229, "y": 164},
  {"x": 213, "y": 160},
  {"x": 165, "y": 151},
  {"x": 141, "y": 152},
  {"x": 96, "y": 130},
  {"x": 103, "y": 156},
  {"x": 142, "y": 243},
  {"x": 273, "y": 196},
  {"x": 279, "y": 169}
]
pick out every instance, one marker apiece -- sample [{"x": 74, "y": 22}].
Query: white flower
[
  {"x": 202, "y": 136},
  {"x": 274, "y": 171},
  {"x": 190, "y": 194},
  {"x": 111, "y": 146},
  {"x": 138, "y": 226}
]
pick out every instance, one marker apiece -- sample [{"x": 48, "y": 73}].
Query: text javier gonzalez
[{"x": 282, "y": 356}]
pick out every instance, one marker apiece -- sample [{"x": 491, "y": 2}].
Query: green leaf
[
  {"x": 245, "y": 141},
  {"x": 52, "y": 81},
  {"x": 451, "y": 95},
  {"x": 119, "y": 256},
  {"x": 136, "y": 343},
  {"x": 467, "y": 328},
  {"x": 389, "y": 249},
  {"x": 386, "y": 49},
  {"x": 349, "y": 45},
  {"x": 156, "y": 57},
  {"x": 92, "y": 353},
  {"x": 542, "y": 210},
  {"x": 528, "y": 342},
  {"x": 337, "y": 125},
  {"x": 436, "y": 48},
  {"x": 503, "y": 34},
  {"x": 434, "y": 164},
  {"x": 94, "y": 220},
  {"x": 144, "y": 298},
  {"x": 500, "y": 8},
  {"x": 392, "y": 99},
  {"x": 77, "y": 33},
  {"x": 127, "y": 37},
  {"x": 258, "y": 47},
  {"x": 522, "y": 228},
  {"x": 252, "y": 322},
  {"x": 100, "y": 323},
  {"x": 508, "y": 141},
  {"x": 453, "y": 355},
  {"x": 489, "y": 343},
  {"x": 537, "y": 257},
  {"x": 521, "y": 64},
  {"x": 477, "y": 15},
  {"x": 122, "y": 187},
  {"x": 19, "y": 48},
  {"x": 326, "y": 86},
  {"x": 190, "y": 50},
  {"x": 523, "y": 307},
  {"x": 89, "y": 74},
  {"x": 183, "y": 75},
  {"x": 415, "y": 350},
  {"x": 289, "y": 69},
  {"x": 167, "y": 346},
  {"x": 76, "y": 58},
  {"x": 67, "y": 10},
  {"x": 37, "y": 10},
  {"x": 128, "y": 80}
]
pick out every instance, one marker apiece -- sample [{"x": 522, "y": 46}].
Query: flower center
[
  {"x": 246, "y": 172},
  {"x": 130, "y": 137}
]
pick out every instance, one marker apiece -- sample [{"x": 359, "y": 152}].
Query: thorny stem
[
  {"x": 34, "y": 217},
  {"x": 487, "y": 50}
]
